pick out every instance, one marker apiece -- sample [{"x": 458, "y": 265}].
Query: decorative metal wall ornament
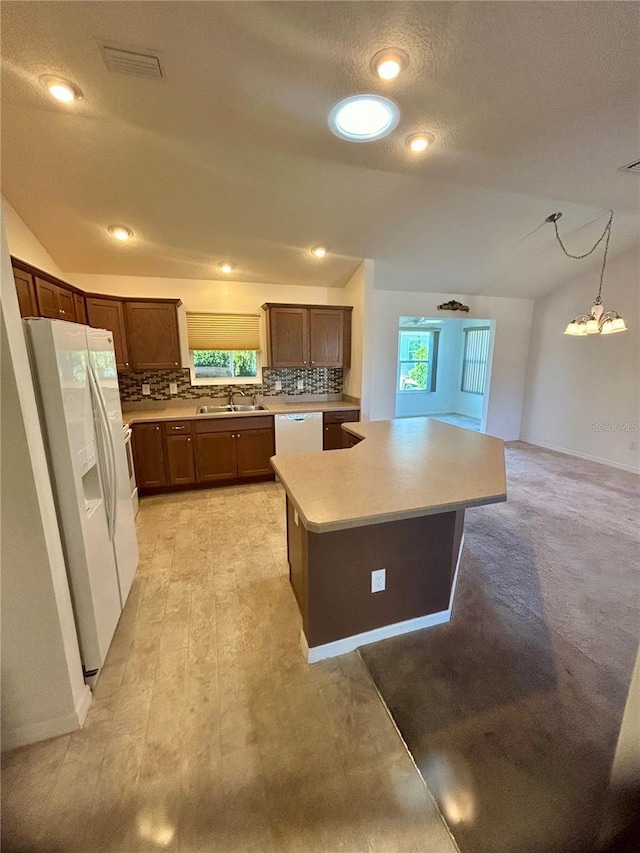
[
  {"x": 598, "y": 321},
  {"x": 453, "y": 306}
]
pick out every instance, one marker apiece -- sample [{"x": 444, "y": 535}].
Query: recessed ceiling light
[
  {"x": 362, "y": 118},
  {"x": 419, "y": 142},
  {"x": 388, "y": 63},
  {"x": 61, "y": 89},
  {"x": 319, "y": 251},
  {"x": 225, "y": 267},
  {"x": 120, "y": 232}
]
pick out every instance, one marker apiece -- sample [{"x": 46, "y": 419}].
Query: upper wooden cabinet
[
  {"x": 145, "y": 331},
  {"x": 26, "y": 291},
  {"x": 287, "y": 336},
  {"x": 81, "y": 309},
  {"x": 54, "y": 301},
  {"x": 308, "y": 335},
  {"x": 152, "y": 333},
  {"x": 108, "y": 314}
]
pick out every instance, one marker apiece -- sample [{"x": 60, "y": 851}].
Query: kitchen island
[{"x": 393, "y": 502}]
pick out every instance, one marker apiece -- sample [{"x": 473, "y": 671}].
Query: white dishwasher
[{"x": 299, "y": 433}]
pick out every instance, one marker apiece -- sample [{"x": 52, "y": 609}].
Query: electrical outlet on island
[
  {"x": 173, "y": 387},
  {"x": 300, "y": 384},
  {"x": 278, "y": 385},
  {"x": 146, "y": 389},
  {"x": 378, "y": 580}
]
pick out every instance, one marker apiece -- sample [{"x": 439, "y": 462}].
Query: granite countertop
[
  {"x": 403, "y": 469},
  {"x": 188, "y": 411}
]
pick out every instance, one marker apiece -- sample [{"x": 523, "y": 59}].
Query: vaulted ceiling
[{"x": 534, "y": 106}]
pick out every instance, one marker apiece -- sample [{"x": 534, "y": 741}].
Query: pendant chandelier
[{"x": 598, "y": 321}]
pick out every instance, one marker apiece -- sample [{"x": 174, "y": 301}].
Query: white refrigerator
[{"x": 74, "y": 370}]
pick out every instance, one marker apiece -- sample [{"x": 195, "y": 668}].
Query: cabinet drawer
[
  {"x": 341, "y": 417},
  {"x": 234, "y": 424},
  {"x": 177, "y": 427}
]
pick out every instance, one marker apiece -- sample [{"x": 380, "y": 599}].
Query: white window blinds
[{"x": 223, "y": 331}]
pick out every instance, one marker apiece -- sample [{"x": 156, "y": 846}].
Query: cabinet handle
[
  {"x": 189, "y": 439},
  {"x": 157, "y": 428},
  {"x": 126, "y": 364},
  {"x": 176, "y": 363},
  {"x": 313, "y": 362}
]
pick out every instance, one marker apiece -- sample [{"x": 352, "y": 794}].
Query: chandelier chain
[{"x": 606, "y": 233}]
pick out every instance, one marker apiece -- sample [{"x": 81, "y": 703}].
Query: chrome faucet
[{"x": 233, "y": 392}]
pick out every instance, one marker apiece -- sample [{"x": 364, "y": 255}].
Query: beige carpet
[{"x": 511, "y": 710}]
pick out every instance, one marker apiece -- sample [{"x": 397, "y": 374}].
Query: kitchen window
[
  {"x": 474, "y": 361},
  {"x": 224, "y": 348},
  {"x": 417, "y": 359}
]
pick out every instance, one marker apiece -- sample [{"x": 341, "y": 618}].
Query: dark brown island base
[{"x": 375, "y": 532}]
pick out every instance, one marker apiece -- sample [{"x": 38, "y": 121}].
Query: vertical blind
[
  {"x": 223, "y": 331},
  {"x": 474, "y": 363}
]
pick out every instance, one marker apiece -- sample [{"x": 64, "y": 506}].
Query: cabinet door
[
  {"x": 47, "y": 294},
  {"x": 216, "y": 456},
  {"x": 289, "y": 337},
  {"x": 255, "y": 447},
  {"x": 148, "y": 455},
  {"x": 152, "y": 335},
  {"x": 180, "y": 460},
  {"x": 81, "y": 311},
  {"x": 109, "y": 314},
  {"x": 26, "y": 291},
  {"x": 66, "y": 305},
  {"x": 333, "y": 437},
  {"x": 326, "y": 333}
]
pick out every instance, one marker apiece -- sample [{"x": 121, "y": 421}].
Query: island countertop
[{"x": 402, "y": 469}]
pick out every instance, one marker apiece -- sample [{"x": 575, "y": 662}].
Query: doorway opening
[{"x": 444, "y": 369}]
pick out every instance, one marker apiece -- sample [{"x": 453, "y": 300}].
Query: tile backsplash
[{"x": 317, "y": 380}]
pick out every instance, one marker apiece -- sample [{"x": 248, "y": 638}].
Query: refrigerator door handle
[{"x": 108, "y": 438}]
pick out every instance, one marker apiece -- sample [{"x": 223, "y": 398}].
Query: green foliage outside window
[
  {"x": 225, "y": 363},
  {"x": 419, "y": 373}
]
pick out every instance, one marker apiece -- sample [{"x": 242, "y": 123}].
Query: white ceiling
[{"x": 534, "y": 106}]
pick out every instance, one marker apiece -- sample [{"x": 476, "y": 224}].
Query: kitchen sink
[
  {"x": 217, "y": 410},
  {"x": 249, "y": 409}
]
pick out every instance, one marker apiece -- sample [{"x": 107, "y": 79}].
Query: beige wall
[
  {"x": 43, "y": 690},
  {"x": 24, "y": 244},
  {"x": 358, "y": 293},
  {"x": 576, "y": 384}
]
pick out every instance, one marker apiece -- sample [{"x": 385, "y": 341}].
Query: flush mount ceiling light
[
  {"x": 120, "y": 232},
  {"x": 387, "y": 64},
  {"x": 419, "y": 142},
  {"x": 362, "y": 118},
  {"x": 598, "y": 321},
  {"x": 61, "y": 89},
  {"x": 319, "y": 251},
  {"x": 225, "y": 267}
]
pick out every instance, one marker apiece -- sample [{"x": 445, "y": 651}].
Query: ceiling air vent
[
  {"x": 127, "y": 60},
  {"x": 632, "y": 167}
]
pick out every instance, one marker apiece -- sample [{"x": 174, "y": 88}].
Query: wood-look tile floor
[{"x": 208, "y": 730}]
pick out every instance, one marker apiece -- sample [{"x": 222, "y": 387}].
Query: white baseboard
[
  {"x": 350, "y": 644},
  {"x": 633, "y": 469},
  {"x": 23, "y": 735},
  {"x": 83, "y": 705}
]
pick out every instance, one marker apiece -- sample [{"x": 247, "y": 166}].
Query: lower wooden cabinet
[
  {"x": 334, "y": 437},
  {"x": 148, "y": 456},
  {"x": 254, "y": 449},
  {"x": 207, "y": 451},
  {"x": 181, "y": 466},
  {"x": 216, "y": 456}
]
